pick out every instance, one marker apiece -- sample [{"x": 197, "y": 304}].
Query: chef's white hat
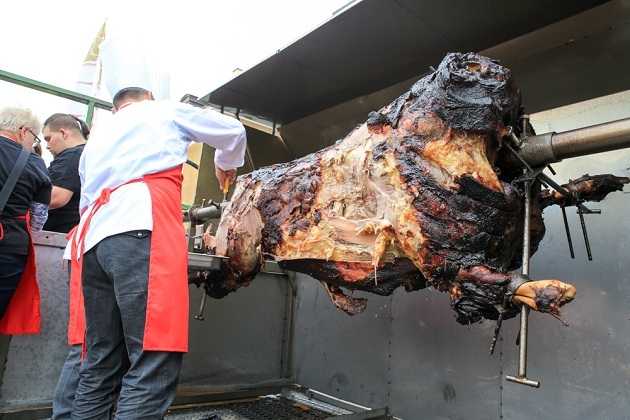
[{"x": 124, "y": 64}]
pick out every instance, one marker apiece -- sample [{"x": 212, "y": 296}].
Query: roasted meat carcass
[{"x": 421, "y": 194}]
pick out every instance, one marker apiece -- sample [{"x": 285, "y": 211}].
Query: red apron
[
  {"x": 23, "y": 314},
  {"x": 166, "y": 327}
]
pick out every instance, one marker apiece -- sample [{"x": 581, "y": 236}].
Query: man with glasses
[
  {"x": 24, "y": 134},
  {"x": 24, "y": 197},
  {"x": 65, "y": 137}
]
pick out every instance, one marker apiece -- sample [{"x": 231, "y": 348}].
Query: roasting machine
[{"x": 535, "y": 153}]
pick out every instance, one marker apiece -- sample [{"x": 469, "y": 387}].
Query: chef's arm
[
  {"x": 224, "y": 133},
  {"x": 59, "y": 198}
]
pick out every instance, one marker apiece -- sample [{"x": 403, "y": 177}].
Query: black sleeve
[
  {"x": 64, "y": 171},
  {"x": 43, "y": 187}
]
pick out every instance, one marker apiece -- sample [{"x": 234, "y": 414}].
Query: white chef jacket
[{"x": 143, "y": 138}]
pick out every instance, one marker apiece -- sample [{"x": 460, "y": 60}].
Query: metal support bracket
[
  {"x": 572, "y": 196},
  {"x": 522, "y": 360}
]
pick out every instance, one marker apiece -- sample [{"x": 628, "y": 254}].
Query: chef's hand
[{"x": 223, "y": 175}]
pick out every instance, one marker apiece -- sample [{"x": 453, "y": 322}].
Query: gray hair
[{"x": 12, "y": 118}]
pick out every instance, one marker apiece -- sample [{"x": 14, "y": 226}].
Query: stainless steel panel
[
  {"x": 441, "y": 369},
  {"x": 347, "y": 357},
  {"x": 34, "y": 361},
  {"x": 405, "y": 352},
  {"x": 240, "y": 339},
  {"x": 204, "y": 261},
  {"x": 52, "y": 239}
]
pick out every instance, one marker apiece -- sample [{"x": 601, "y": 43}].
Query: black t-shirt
[
  {"x": 32, "y": 185},
  {"x": 64, "y": 173}
]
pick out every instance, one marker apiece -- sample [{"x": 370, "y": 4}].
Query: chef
[{"x": 129, "y": 254}]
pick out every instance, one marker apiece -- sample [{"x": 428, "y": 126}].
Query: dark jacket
[{"x": 33, "y": 185}]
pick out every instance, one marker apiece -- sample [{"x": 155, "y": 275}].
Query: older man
[{"x": 24, "y": 198}]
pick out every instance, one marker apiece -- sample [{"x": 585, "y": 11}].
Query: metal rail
[{"x": 90, "y": 101}]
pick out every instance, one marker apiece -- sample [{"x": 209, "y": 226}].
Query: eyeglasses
[{"x": 37, "y": 141}]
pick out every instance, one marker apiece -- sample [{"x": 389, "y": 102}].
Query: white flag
[{"x": 90, "y": 75}]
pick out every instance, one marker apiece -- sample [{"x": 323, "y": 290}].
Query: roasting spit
[{"x": 533, "y": 154}]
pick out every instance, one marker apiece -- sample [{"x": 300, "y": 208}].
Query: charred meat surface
[{"x": 418, "y": 195}]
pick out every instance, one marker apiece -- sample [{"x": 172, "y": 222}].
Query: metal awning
[{"x": 374, "y": 44}]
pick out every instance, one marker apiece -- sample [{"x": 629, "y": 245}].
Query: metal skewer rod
[
  {"x": 522, "y": 360},
  {"x": 199, "y": 315},
  {"x": 566, "y": 228},
  {"x": 586, "y": 242},
  {"x": 497, "y": 328}
]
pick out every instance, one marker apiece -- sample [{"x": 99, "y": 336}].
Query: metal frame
[{"x": 90, "y": 101}]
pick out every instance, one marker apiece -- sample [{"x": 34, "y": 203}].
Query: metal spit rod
[
  {"x": 541, "y": 150},
  {"x": 196, "y": 215},
  {"x": 522, "y": 359}
]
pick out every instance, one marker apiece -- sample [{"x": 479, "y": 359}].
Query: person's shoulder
[
  {"x": 9, "y": 144},
  {"x": 77, "y": 150},
  {"x": 37, "y": 165},
  {"x": 70, "y": 152},
  {"x": 36, "y": 160}
]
